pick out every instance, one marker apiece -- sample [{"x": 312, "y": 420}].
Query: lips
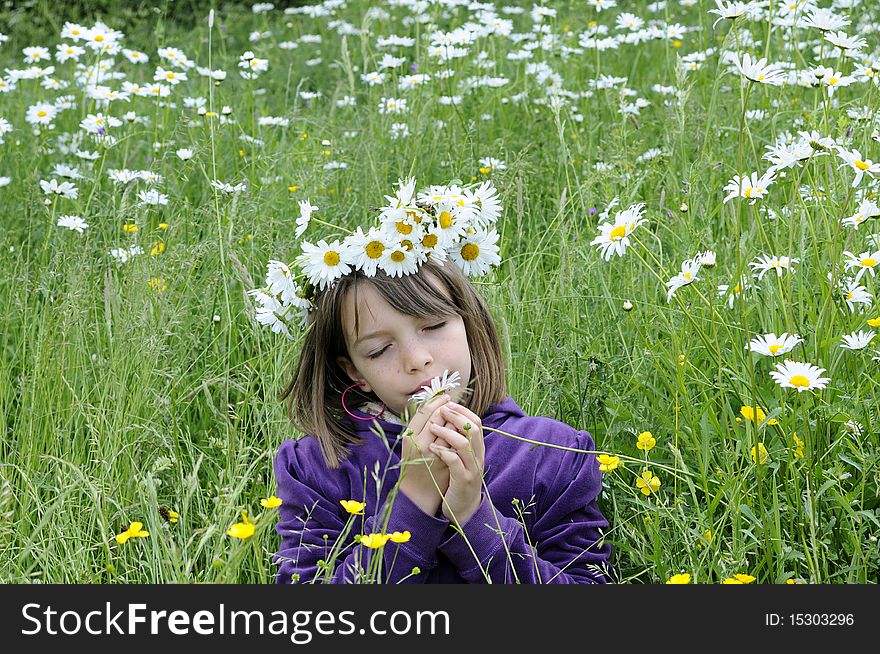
[{"x": 418, "y": 389}]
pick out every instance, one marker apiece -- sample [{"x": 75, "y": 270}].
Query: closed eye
[{"x": 376, "y": 355}]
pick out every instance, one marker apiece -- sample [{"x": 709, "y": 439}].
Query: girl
[{"x": 461, "y": 502}]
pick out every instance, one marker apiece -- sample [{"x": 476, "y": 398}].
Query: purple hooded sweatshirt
[{"x": 538, "y": 523}]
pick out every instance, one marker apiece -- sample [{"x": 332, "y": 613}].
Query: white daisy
[
  {"x": 64, "y": 189},
  {"x": 450, "y": 228},
  {"x": 476, "y": 253},
  {"x": 750, "y": 187},
  {"x": 772, "y": 345},
  {"x": 758, "y": 71},
  {"x": 399, "y": 260},
  {"x": 857, "y": 340},
  {"x": 802, "y": 376},
  {"x": 731, "y": 10},
  {"x": 865, "y": 262},
  {"x": 765, "y": 263},
  {"x": 731, "y": 294},
  {"x": 41, "y": 114},
  {"x": 366, "y": 249},
  {"x": 306, "y": 209},
  {"x": 613, "y": 237},
  {"x": 853, "y": 159},
  {"x": 152, "y": 197},
  {"x": 324, "y": 263},
  {"x": 854, "y": 293},
  {"x": 439, "y": 385},
  {"x": 486, "y": 199},
  {"x": 270, "y": 312},
  {"x": 867, "y": 209},
  {"x": 687, "y": 275},
  {"x": 73, "y": 223}
]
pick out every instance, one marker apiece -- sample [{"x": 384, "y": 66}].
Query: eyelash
[{"x": 376, "y": 355}]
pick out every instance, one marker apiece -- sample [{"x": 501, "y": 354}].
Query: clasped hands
[{"x": 443, "y": 453}]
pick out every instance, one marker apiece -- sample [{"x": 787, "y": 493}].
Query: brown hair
[{"x": 314, "y": 394}]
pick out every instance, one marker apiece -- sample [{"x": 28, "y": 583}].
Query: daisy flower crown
[{"x": 438, "y": 223}]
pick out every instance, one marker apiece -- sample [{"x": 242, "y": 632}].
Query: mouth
[{"x": 418, "y": 389}]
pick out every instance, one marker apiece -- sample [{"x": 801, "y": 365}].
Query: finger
[
  {"x": 420, "y": 419},
  {"x": 460, "y": 408},
  {"x": 462, "y": 446},
  {"x": 451, "y": 458},
  {"x": 470, "y": 428}
]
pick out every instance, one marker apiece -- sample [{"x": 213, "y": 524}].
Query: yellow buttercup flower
[
  {"x": 874, "y": 322},
  {"x": 293, "y": 189},
  {"x": 400, "y": 537},
  {"x": 756, "y": 415},
  {"x": 242, "y": 529},
  {"x": 799, "y": 446},
  {"x": 375, "y": 541},
  {"x": 739, "y": 579},
  {"x": 607, "y": 463},
  {"x": 271, "y": 502},
  {"x": 683, "y": 578},
  {"x": 158, "y": 248},
  {"x": 762, "y": 455},
  {"x": 646, "y": 441},
  {"x": 135, "y": 530},
  {"x": 648, "y": 483},
  {"x": 130, "y": 228},
  {"x": 353, "y": 506}
]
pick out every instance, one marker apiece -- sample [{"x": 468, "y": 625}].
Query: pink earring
[{"x": 342, "y": 399}]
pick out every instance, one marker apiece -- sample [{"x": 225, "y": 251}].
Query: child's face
[{"x": 394, "y": 354}]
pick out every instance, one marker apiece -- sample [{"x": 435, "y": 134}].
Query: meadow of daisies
[{"x": 687, "y": 230}]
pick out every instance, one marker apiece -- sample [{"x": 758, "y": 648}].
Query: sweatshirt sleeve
[
  {"x": 565, "y": 545},
  {"x": 314, "y": 530}
]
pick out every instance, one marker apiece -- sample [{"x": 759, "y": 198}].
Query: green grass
[{"x": 116, "y": 397}]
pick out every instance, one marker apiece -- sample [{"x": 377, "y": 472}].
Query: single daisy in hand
[{"x": 439, "y": 385}]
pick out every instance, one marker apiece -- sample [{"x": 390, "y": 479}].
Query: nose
[{"x": 418, "y": 356}]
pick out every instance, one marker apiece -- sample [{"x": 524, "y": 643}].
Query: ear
[{"x": 350, "y": 370}]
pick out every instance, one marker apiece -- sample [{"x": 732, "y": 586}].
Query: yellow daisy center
[
  {"x": 832, "y": 81},
  {"x": 849, "y": 295},
  {"x": 375, "y": 249},
  {"x": 445, "y": 219},
  {"x": 470, "y": 252},
  {"x": 99, "y": 38},
  {"x": 868, "y": 262},
  {"x": 861, "y": 165},
  {"x": 618, "y": 233},
  {"x": 397, "y": 256},
  {"x": 800, "y": 381},
  {"x": 760, "y": 78},
  {"x": 415, "y": 217},
  {"x": 331, "y": 258},
  {"x": 686, "y": 275},
  {"x": 41, "y": 113},
  {"x": 403, "y": 228},
  {"x": 774, "y": 349},
  {"x": 407, "y": 244},
  {"x": 737, "y": 289},
  {"x": 748, "y": 192},
  {"x": 429, "y": 241}
]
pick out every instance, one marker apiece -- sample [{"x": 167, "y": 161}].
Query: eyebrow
[{"x": 365, "y": 337}]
